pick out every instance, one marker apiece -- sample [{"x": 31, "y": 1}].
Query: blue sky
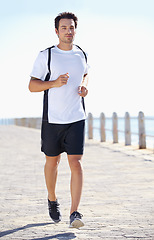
[
  {"x": 143, "y": 8},
  {"x": 117, "y": 34}
]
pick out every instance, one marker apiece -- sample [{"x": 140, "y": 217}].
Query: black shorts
[{"x": 58, "y": 138}]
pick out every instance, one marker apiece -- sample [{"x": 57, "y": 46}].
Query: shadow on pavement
[
  {"x": 7, "y": 232},
  {"x": 61, "y": 236}
]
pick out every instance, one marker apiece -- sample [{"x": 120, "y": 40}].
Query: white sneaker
[{"x": 75, "y": 220}]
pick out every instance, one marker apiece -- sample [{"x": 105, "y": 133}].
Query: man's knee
[
  {"x": 52, "y": 162},
  {"x": 75, "y": 162}
]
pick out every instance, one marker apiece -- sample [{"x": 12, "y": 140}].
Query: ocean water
[{"x": 149, "y": 129}]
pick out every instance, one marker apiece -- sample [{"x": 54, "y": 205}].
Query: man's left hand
[{"x": 82, "y": 91}]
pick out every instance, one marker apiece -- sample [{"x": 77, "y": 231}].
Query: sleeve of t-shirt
[{"x": 40, "y": 69}]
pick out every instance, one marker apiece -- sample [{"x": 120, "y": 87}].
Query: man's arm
[
  {"x": 82, "y": 90},
  {"x": 37, "y": 85}
]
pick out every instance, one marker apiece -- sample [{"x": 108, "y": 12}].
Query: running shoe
[
  {"x": 75, "y": 220},
  {"x": 54, "y": 211}
]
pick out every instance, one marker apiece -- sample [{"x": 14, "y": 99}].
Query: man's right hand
[
  {"x": 37, "y": 85},
  {"x": 61, "y": 80}
]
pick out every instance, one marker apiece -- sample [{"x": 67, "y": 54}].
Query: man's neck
[{"x": 65, "y": 47}]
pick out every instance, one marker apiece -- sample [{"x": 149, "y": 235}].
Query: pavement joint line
[{"x": 117, "y": 200}]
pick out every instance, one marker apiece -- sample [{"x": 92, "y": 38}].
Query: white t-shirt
[{"x": 64, "y": 103}]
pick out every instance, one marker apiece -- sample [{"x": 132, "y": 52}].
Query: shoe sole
[
  {"x": 77, "y": 223},
  {"x": 56, "y": 221}
]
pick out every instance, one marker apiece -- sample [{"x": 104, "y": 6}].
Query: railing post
[
  {"x": 90, "y": 126},
  {"x": 102, "y": 127},
  {"x": 141, "y": 126},
  {"x": 115, "y": 127},
  {"x": 127, "y": 130}
]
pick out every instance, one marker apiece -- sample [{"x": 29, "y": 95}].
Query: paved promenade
[{"x": 117, "y": 201}]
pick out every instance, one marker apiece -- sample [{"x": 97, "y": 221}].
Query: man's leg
[
  {"x": 51, "y": 170},
  {"x": 76, "y": 180}
]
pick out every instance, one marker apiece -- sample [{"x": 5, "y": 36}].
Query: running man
[{"x": 63, "y": 120}]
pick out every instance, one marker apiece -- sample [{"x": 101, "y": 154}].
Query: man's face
[{"x": 66, "y": 31}]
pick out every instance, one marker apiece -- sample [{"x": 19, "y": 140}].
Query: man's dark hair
[{"x": 66, "y": 15}]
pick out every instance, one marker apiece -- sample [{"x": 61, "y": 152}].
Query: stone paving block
[{"x": 118, "y": 193}]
